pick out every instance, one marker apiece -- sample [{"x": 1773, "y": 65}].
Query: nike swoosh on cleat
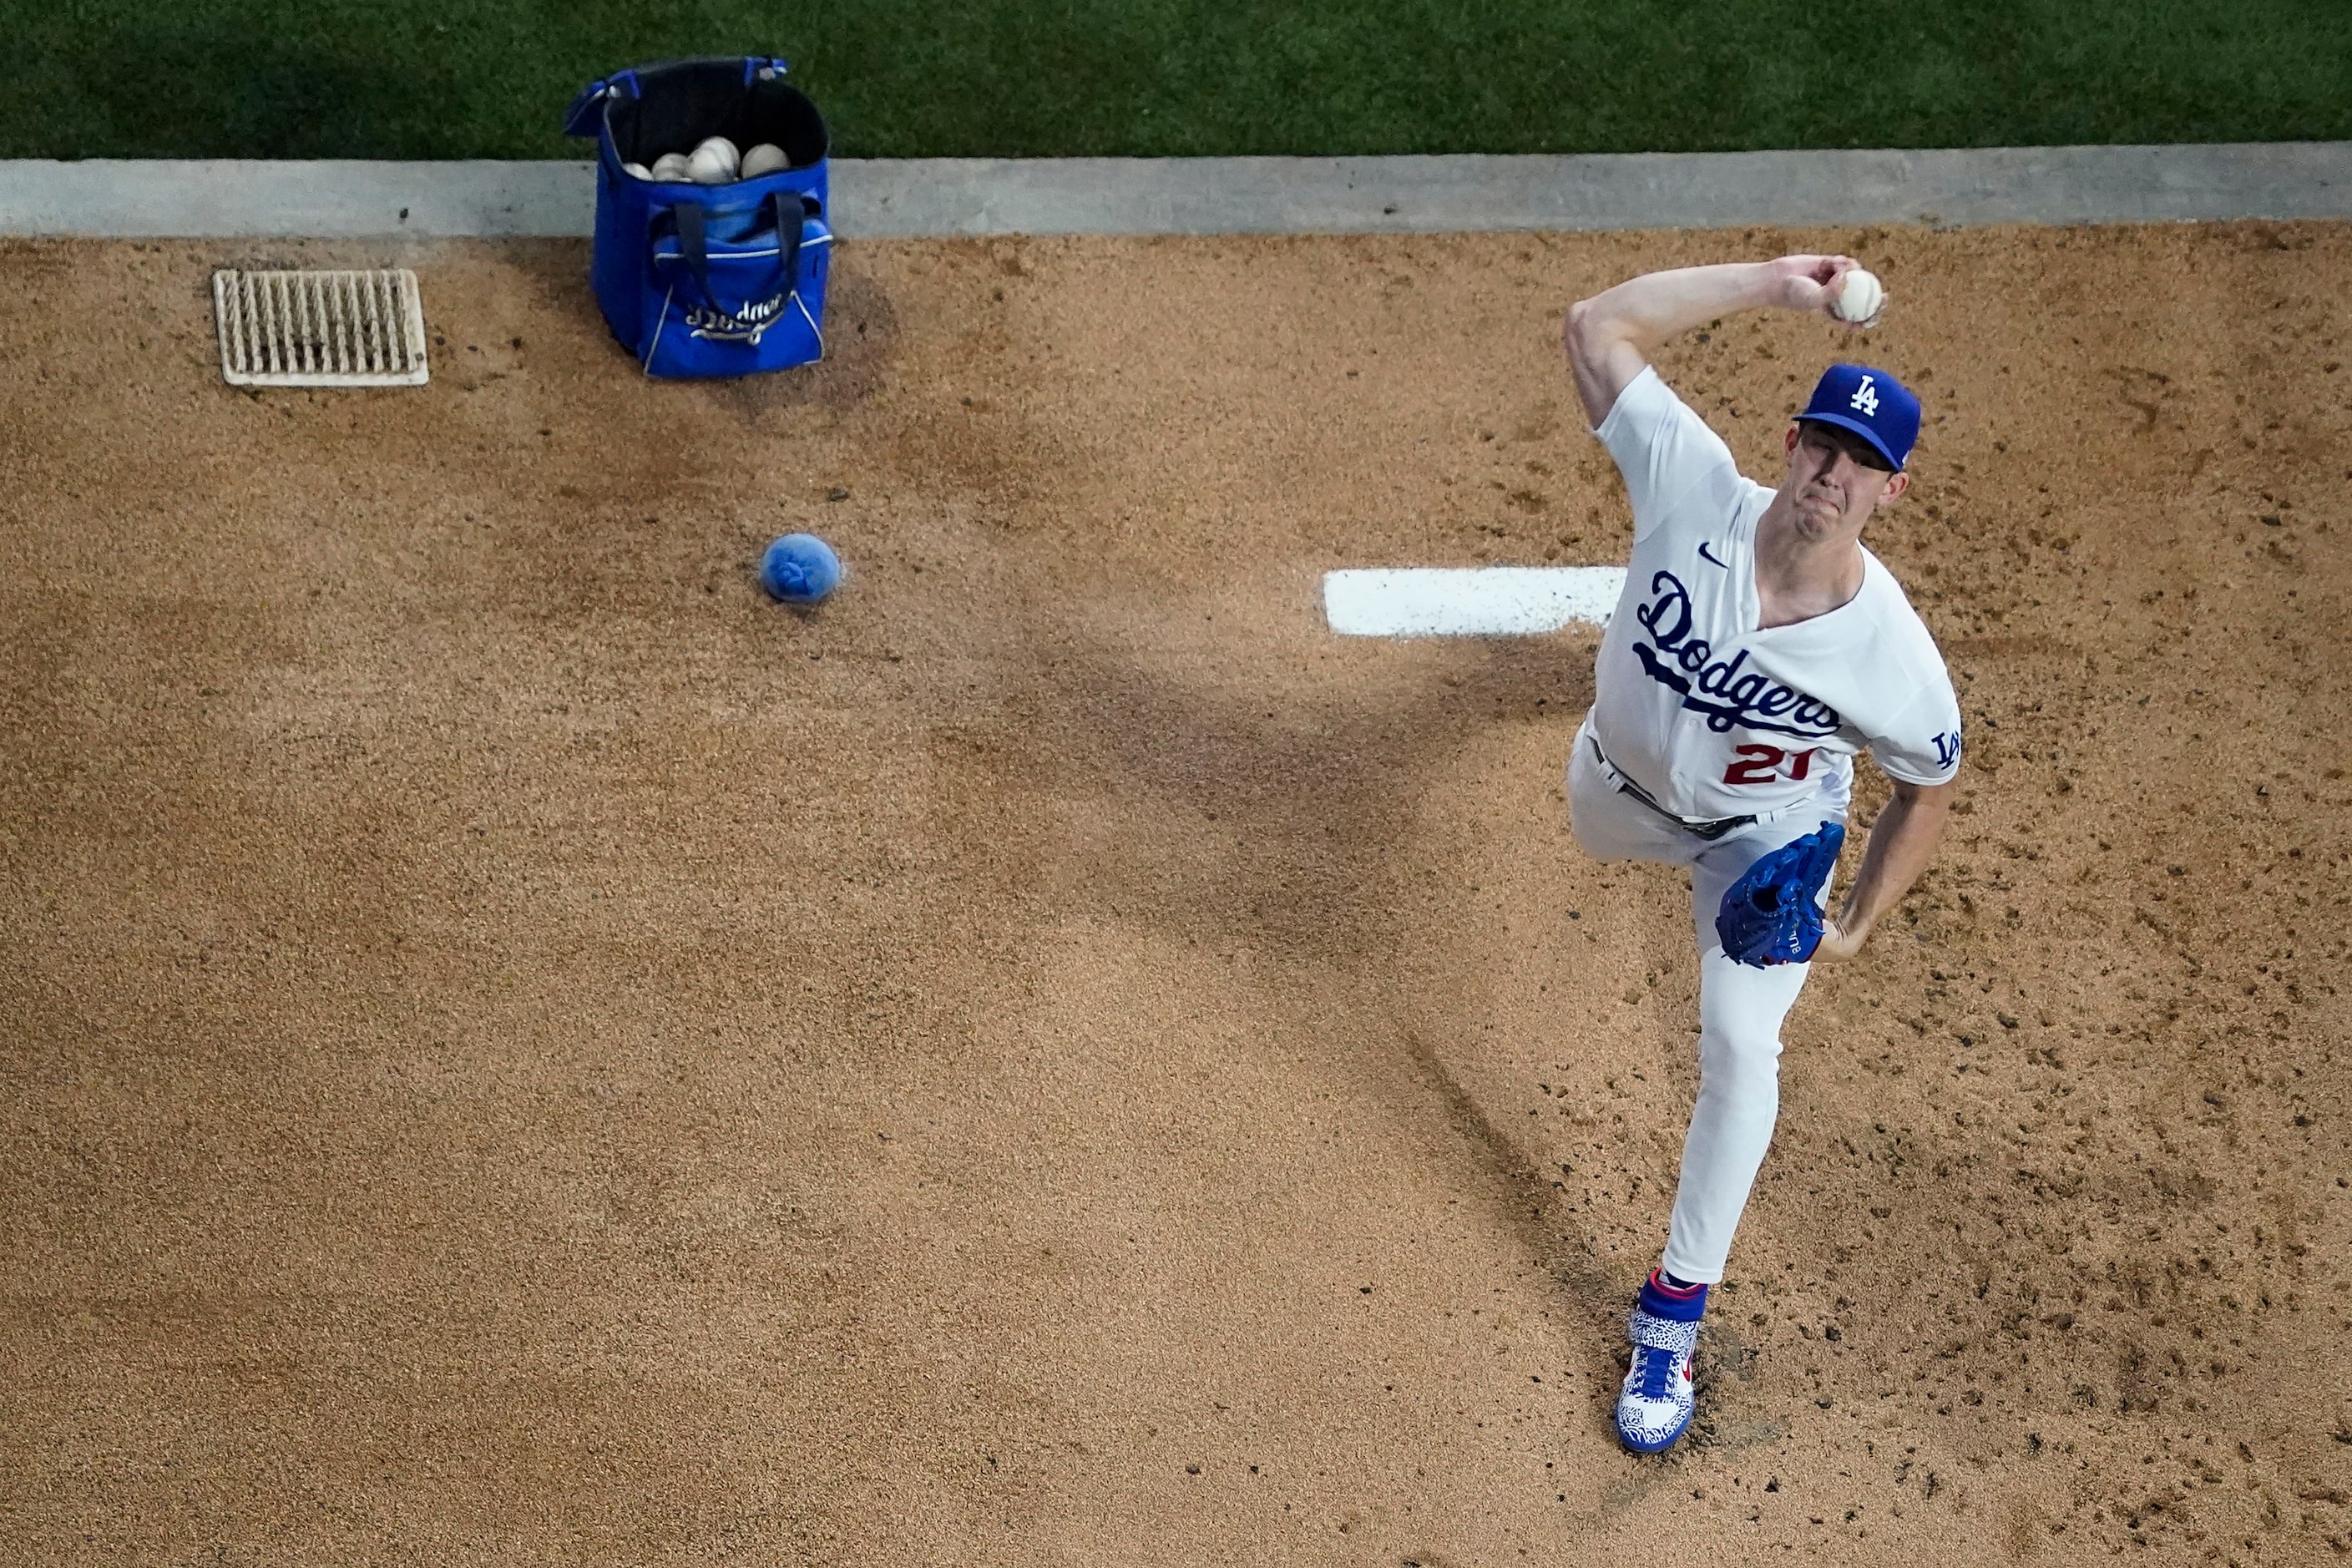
[{"x": 1709, "y": 559}]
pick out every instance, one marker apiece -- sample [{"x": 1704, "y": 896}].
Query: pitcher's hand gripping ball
[
  {"x": 1860, "y": 298},
  {"x": 1773, "y": 914},
  {"x": 800, "y": 569}
]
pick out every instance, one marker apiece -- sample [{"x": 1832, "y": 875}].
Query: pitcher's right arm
[{"x": 1611, "y": 337}]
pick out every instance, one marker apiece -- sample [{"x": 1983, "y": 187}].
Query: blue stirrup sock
[{"x": 1662, "y": 1296}]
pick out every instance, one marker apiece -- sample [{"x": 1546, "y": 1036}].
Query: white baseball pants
[{"x": 1740, "y": 1007}]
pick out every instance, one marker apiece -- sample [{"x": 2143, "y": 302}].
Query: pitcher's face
[{"x": 1836, "y": 482}]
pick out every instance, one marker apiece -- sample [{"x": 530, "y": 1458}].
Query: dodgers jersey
[{"x": 1710, "y": 713}]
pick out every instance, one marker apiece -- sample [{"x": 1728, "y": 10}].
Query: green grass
[{"x": 490, "y": 79}]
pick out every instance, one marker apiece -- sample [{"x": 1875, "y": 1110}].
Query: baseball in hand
[{"x": 1860, "y": 298}]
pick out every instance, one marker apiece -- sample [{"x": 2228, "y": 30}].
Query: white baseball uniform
[{"x": 1713, "y": 741}]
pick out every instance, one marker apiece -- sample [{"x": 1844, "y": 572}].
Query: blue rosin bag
[{"x": 708, "y": 280}]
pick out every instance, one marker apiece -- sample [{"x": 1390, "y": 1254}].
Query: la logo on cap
[{"x": 1870, "y": 403}]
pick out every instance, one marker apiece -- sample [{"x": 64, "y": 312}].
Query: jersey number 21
[{"x": 1762, "y": 764}]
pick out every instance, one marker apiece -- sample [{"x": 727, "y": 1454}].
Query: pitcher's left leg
[{"x": 1741, "y": 1010}]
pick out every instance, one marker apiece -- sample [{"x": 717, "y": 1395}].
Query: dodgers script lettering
[
  {"x": 1725, "y": 691},
  {"x": 745, "y": 325}
]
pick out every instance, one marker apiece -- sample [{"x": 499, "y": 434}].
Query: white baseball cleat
[
  {"x": 1656, "y": 1405},
  {"x": 1654, "y": 1409}
]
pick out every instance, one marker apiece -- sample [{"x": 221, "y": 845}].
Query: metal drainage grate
[{"x": 320, "y": 329}]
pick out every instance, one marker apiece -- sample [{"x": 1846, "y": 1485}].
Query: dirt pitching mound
[{"x": 521, "y": 1051}]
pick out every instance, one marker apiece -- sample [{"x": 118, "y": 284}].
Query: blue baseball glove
[{"x": 1773, "y": 913}]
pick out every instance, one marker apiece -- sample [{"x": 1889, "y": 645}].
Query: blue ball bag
[{"x": 708, "y": 280}]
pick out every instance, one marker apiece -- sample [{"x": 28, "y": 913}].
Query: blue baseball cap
[{"x": 1870, "y": 403}]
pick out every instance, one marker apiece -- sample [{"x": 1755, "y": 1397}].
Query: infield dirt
[{"x": 521, "y": 1051}]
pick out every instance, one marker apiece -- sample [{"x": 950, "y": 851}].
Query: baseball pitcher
[{"x": 1757, "y": 648}]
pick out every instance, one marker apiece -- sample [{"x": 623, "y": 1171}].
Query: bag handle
[
  {"x": 788, "y": 248},
  {"x": 694, "y": 242},
  {"x": 692, "y": 245}
]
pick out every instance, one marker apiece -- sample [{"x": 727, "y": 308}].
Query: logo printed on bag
[{"x": 745, "y": 325}]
